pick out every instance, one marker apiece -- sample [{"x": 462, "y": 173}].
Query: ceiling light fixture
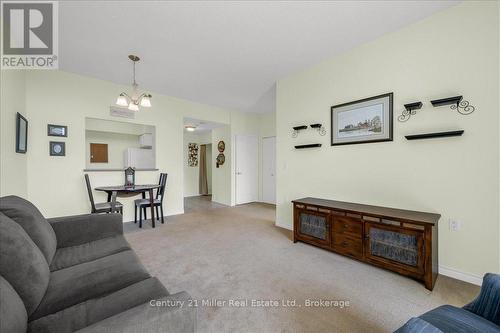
[
  {"x": 135, "y": 100},
  {"x": 190, "y": 128}
]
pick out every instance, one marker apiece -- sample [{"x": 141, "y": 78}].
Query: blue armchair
[{"x": 482, "y": 315}]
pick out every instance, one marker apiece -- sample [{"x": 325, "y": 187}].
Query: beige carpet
[{"x": 238, "y": 253}]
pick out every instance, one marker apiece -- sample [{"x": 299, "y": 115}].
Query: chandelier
[{"x": 134, "y": 100}]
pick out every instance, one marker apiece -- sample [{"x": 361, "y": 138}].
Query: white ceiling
[
  {"x": 201, "y": 125},
  {"x": 227, "y": 54}
]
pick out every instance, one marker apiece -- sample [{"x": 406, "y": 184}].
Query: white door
[
  {"x": 246, "y": 168},
  {"x": 269, "y": 170}
]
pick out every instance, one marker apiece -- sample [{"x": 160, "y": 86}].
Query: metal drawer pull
[
  {"x": 346, "y": 226},
  {"x": 344, "y": 243}
]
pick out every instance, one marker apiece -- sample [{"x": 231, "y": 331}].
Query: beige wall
[
  {"x": 221, "y": 176},
  {"x": 68, "y": 99},
  {"x": 454, "y": 52},
  {"x": 12, "y": 165}
]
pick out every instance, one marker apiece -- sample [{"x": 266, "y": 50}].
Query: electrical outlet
[{"x": 455, "y": 225}]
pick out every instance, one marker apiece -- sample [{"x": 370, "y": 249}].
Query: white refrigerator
[{"x": 139, "y": 158}]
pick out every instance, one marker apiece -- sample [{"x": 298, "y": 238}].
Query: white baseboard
[
  {"x": 459, "y": 275},
  {"x": 288, "y": 227}
]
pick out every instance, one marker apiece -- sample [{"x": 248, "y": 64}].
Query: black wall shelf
[
  {"x": 297, "y": 129},
  {"x": 456, "y": 103},
  {"x": 434, "y": 135},
  {"x": 312, "y": 145},
  {"x": 319, "y": 127},
  {"x": 410, "y": 110},
  {"x": 447, "y": 101}
]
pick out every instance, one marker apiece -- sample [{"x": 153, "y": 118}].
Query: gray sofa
[{"x": 78, "y": 273}]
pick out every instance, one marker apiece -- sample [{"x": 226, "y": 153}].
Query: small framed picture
[
  {"x": 363, "y": 121},
  {"x": 57, "y": 148},
  {"x": 57, "y": 130},
  {"x": 21, "y": 134}
]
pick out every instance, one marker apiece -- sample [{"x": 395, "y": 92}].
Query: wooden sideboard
[{"x": 400, "y": 240}]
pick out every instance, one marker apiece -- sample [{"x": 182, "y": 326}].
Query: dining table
[{"x": 129, "y": 191}]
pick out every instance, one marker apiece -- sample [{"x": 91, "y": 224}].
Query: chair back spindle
[
  {"x": 163, "y": 184},
  {"x": 89, "y": 191}
]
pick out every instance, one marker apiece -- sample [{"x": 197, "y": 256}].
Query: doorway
[
  {"x": 246, "y": 168},
  {"x": 205, "y": 174},
  {"x": 269, "y": 170}
]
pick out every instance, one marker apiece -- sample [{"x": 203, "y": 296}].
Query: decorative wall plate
[
  {"x": 220, "y": 159},
  {"x": 221, "y": 146},
  {"x": 57, "y": 148}
]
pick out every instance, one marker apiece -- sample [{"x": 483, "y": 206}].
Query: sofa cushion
[
  {"x": 32, "y": 221},
  {"x": 97, "y": 278},
  {"x": 74, "y": 255},
  {"x": 22, "y": 263},
  {"x": 450, "y": 319},
  {"x": 176, "y": 315},
  {"x": 89, "y": 312},
  {"x": 13, "y": 316}
]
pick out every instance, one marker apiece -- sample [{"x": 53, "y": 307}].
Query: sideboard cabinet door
[
  {"x": 313, "y": 226},
  {"x": 394, "y": 247}
]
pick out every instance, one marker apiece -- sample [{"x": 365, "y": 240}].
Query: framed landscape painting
[{"x": 363, "y": 121}]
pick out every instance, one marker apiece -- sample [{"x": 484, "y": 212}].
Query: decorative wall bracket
[
  {"x": 320, "y": 128},
  {"x": 297, "y": 129},
  {"x": 455, "y": 103},
  {"x": 410, "y": 110}
]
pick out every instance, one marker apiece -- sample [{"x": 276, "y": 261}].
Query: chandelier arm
[
  {"x": 134, "y": 73},
  {"x": 126, "y": 95}
]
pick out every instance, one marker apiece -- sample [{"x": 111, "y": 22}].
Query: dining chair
[
  {"x": 144, "y": 208},
  {"x": 104, "y": 207},
  {"x": 144, "y": 203}
]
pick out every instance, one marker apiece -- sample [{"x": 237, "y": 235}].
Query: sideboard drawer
[
  {"x": 347, "y": 226},
  {"x": 348, "y": 246}
]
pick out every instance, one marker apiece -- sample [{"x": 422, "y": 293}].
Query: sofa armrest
[
  {"x": 176, "y": 315},
  {"x": 487, "y": 303},
  {"x": 80, "y": 229}
]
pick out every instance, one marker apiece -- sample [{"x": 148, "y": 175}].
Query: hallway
[{"x": 199, "y": 203}]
